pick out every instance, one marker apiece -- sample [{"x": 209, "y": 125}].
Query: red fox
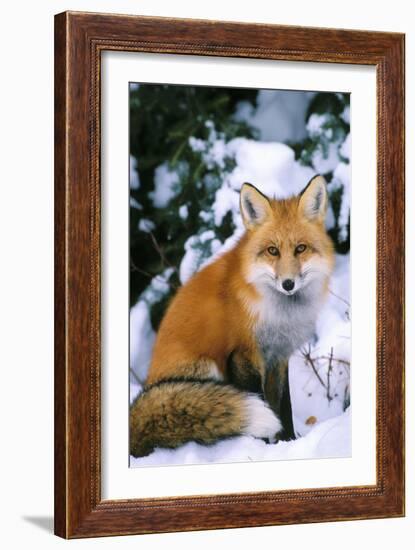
[{"x": 220, "y": 361}]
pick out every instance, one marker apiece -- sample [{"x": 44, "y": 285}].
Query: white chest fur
[{"x": 284, "y": 323}]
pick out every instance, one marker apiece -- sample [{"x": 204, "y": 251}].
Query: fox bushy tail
[{"x": 172, "y": 412}]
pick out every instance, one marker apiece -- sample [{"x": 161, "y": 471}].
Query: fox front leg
[
  {"x": 244, "y": 373},
  {"x": 276, "y": 389}
]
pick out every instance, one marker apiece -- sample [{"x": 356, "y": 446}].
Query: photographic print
[
  {"x": 209, "y": 326},
  {"x": 239, "y": 274}
]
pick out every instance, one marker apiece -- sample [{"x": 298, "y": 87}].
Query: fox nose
[{"x": 288, "y": 284}]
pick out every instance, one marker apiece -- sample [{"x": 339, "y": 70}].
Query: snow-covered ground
[
  {"x": 329, "y": 439},
  {"x": 320, "y": 372}
]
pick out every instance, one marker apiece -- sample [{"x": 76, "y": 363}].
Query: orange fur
[
  {"x": 215, "y": 312},
  {"x": 220, "y": 359}
]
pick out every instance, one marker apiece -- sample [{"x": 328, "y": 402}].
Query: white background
[{"x": 26, "y": 299}]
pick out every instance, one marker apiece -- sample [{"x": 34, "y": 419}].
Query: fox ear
[
  {"x": 255, "y": 207},
  {"x": 313, "y": 199}
]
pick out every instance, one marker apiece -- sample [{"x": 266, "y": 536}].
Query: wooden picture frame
[{"x": 79, "y": 40}]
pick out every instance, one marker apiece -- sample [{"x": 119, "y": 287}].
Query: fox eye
[
  {"x": 273, "y": 250},
  {"x": 300, "y": 248}
]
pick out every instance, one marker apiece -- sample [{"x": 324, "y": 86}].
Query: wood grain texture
[
  {"x": 60, "y": 277},
  {"x": 79, "y": 40}
]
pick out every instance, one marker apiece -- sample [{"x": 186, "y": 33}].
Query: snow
[
  {"x": 184, "y": 212},
  {"x": 316, "y": 125},
  {"x": 345, "y": 149},
  {"x": 205, "y": 216},
  {"x": 158, "y": 287},
  {"x": 278, "y": 116},
  {"x": 346, "y": 115},
  {"x": 271, "y": 167},
  {"x": 330, "y": 219},
  {"x": 134, "y": 177},
  {"x": 165, "y": 186},
  {"x": 215, "y": 156},
  {"x": 325, "y": 158},
  {"x": 341, "y": 180},
  {"x": 197, "y": 145},
  {"x": 213, "y": 150},
  {"x": 333, "y": 332},
  {"x": 206, "y": 236},
  {"x": 146, "y": 225},
  {"x": 135, "y": 204},
  {"x": 325, "y": 161},
  {"x": 190, "y": 261},
  {"x": 135, "y": 389},
  {"x": 195, "y": 254},
  {"x": 226, "y": 200},
  {"x": 142, "y": 339},
  {"x": 142, "y": 335},
  {"x": 330, "y": 439}
]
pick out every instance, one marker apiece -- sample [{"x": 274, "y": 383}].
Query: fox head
[{"x": 287, "y": 247}]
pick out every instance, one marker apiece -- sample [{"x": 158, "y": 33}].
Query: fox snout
[
  {"x": 287, "y": 269},
  {"x": 288, "y": 284}
]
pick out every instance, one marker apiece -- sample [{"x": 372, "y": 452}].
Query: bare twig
[
  {"x": 150, "y": 275},
  {"x": 331, "y": 365},
  {"x": 310, "y": 361},
  {"x": 163, "y": 258},
  {"x": 329, "y": 369},
  {"x": 133, "y": 375},
  {"x": 160, "y": 251},
  {"x": 139, "y": 270},
  {"x": 341, "y": 361},
  {"x": 339, "y": 298}
]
